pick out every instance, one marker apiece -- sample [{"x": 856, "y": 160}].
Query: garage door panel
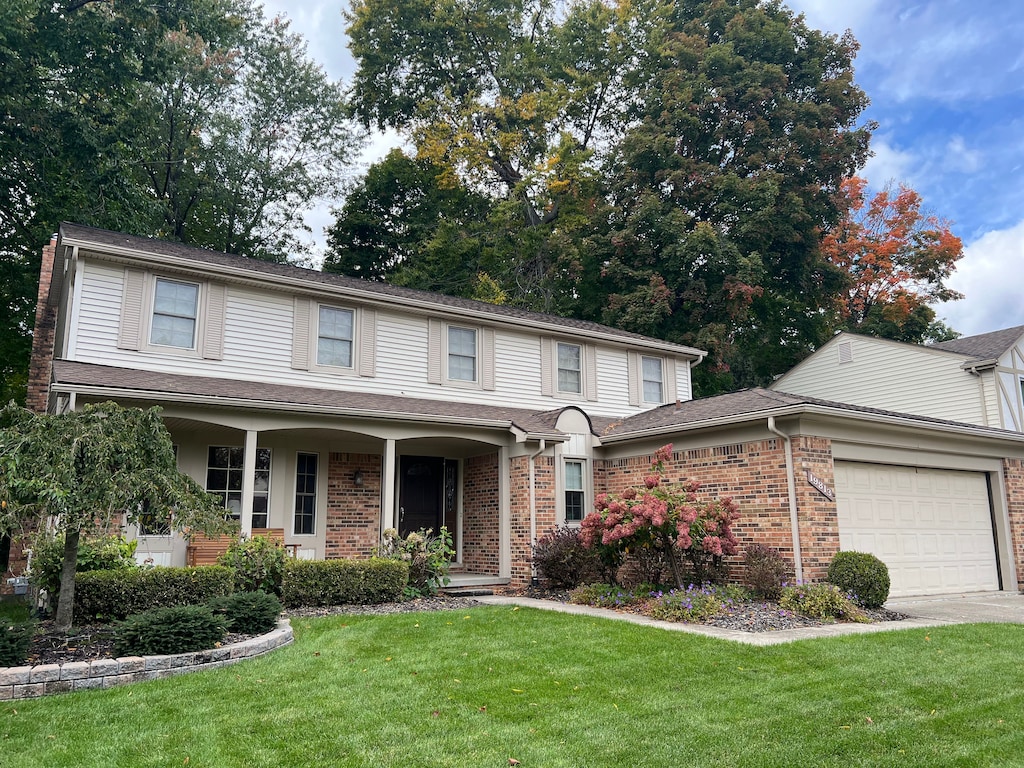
[{"x": 931, "y": 527}]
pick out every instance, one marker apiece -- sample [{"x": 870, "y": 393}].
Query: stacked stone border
[{"x": 44, "y": 679}]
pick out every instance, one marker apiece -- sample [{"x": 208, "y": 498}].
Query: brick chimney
[{"x": 39, "y": 370}]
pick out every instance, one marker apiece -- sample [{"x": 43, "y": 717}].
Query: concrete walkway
[{"x": 924, "y": 612}]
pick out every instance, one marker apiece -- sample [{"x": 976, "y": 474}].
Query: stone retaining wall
[{"x": 44, "y": 679}]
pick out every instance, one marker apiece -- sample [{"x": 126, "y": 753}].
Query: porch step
[{"x": 466, "y": 591}]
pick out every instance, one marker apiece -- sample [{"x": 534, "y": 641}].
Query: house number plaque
[{"x": 820, "y": 486}]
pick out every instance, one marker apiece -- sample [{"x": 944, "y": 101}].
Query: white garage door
[{"x": 932, "y": 527}]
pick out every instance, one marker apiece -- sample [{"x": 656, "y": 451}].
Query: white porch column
[
  {"x": 248, "y": 477},
  {"x": 388, "y": 484},
  {"x": 504, "y": 514}
]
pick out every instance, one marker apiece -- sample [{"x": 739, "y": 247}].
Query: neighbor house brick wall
[
  {"x": 545, "y": 510},
  {"x": 1013, "y": 476},
  {"x": 481, "y": 507},
  {"x": 754, "y": 475},
  {"x": 38, "y": 394},
  {"x": 353, "y": 513}
]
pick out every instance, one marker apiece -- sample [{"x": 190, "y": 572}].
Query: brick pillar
[
  {"x": 1013, "y": 474},
  {"x": 38, "y": 395}
]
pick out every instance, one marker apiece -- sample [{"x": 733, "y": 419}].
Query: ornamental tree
[
  {"x": 90, "y": 470},
  {"x": 667, "y": 517}
]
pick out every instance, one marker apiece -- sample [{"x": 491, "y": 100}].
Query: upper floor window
[
  {"x": 175, "y": 312},
  {"x": 461, "y": 354},
  {"x": 570, "y": 368},
  {"x": 653, "y": 380},
  {"x": 334, "y": 337}
]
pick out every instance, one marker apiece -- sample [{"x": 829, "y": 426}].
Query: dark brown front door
[{"x": 420, "y": 493}]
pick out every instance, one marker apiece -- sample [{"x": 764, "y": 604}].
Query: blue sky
[{"x": 946, "y": 83}]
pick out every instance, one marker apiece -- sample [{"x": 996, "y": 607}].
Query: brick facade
[
  {"x": 353, "y": 513},
  {"x": 1013, "y": 475},
  {"x": 545, "y": 509},
  {"x": 38, "y": 394},
  {"x": 481, "y": 547},
  {"x": 754, "y": 474}
]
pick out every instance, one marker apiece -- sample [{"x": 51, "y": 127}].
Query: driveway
[{"x": 963, "y": 608}]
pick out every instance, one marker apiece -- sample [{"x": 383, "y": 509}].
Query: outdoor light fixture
[{"x": 357, "y": 478}]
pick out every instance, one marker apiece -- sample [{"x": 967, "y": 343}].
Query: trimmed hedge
[
  {"x": 113, "y": 595},
  {"x": 341, "y": 582},
  {"x": 178, "y": 629},
  {"x": 861, "y": 574}
]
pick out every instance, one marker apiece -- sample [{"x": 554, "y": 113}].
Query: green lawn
[{"x": 478, "y": 687}]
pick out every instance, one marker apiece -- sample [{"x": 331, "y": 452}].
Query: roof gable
[{"x": 985, "y": 346}]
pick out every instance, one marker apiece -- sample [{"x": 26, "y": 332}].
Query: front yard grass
[{"x": 478, "y": 687}]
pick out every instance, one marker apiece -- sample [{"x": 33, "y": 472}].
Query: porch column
[
  {"x": 387, "y": 500},
  {"x": 504, "y": 514},
  {"x": 248, "y": 478}
]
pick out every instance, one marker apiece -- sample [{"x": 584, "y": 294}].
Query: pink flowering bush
[{"x": 664, "y": 516}]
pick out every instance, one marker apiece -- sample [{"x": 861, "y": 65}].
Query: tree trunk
[{"x": 66, "y": 601}]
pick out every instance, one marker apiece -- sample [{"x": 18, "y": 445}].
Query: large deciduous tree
[
  {"x": 896, "y": 257},
  {"x": 90, "y": 470},
  {"x": 666, "y": 167}
]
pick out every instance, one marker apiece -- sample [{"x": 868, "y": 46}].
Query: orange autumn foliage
[{"x": 897, "y": 257}]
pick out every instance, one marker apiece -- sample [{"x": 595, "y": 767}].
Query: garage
[{"x": 931, "y": 527}]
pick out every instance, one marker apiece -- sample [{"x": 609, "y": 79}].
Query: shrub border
[{"x": 46, "y": 679}]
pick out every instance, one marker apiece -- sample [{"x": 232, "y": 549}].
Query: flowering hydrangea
[{"x": 666, "y": 516}]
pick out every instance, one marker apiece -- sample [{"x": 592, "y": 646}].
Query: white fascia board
[{"x": 372, "y": 297}]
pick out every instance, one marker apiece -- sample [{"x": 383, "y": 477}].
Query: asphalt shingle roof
[{"x": 985, "y": 346}]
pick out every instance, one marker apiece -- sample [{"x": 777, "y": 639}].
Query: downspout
[
  {"x": 791, "y": 482},
  {"x": 533, "y": 508}
]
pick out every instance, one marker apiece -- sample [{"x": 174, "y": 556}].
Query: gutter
[
  {"x": 371, "y": 297},
  {"x": 791, "y": 483}
]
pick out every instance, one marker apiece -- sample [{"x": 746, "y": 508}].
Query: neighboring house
[
  {"x": 976, "y": 379},
  {"x": 336, "y": 408}
]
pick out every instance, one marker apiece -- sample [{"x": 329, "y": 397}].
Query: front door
[{"x": 420, "y": 494}]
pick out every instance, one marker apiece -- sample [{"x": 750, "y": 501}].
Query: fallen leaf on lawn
[
  {"x": 484, "y": 709},
  {"x": 515, "y": 609},
  {"x": 435, "y": 713},
  {"x": 845, "y": 727},
  {"x": 415, "y": 625},
  {"x": 387, "y": 658},
  {"x": 869, "y": 720},
  {"x": 465, "y": 617},
  {"x": 615, "y": 705},
  {"x": 513, "y": 761},
  {"x": 185, "y": 761},
  {"x": 927, "y": 638},
  {"x": 455, "y": 679},
  {"x": 933, "y": 711},
  {"x": 518, "y": 690},
  {"x": 317, "y": 653}
]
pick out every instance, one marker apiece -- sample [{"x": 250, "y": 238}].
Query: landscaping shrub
[
  {"x": 606, "y": 596},
  {"x": 428, "y": 556},
  {"x": 341, "y": 582},
  {"x": 820, "y": 601},
  {"x": 249, "y": 613},
  {"x": 178, "y": 629},
  {"x": 258, "y": 563},
  {"x": 690, "y": 605},
  {"x": 862, "y": 575},
  {"x": 766, "y": 571},
  {"x": 562, "y": 560},
  {"x": 100, "y": 553},
  {"x": 15, "y": 639},
  {"x": 111, "y": 595}
]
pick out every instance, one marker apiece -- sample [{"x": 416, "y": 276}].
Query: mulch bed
[{"x": 90, "y": 642}]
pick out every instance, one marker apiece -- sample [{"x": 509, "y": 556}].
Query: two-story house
[{"x": 336, "y": 408}]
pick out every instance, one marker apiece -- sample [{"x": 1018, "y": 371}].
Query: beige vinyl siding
[
  {"x": 890, "y": 376},
  {"x": 258, "y": 331},
  {"x": 1008, "y": 397}
]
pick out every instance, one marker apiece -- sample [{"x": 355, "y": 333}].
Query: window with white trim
[
  {"x": 575, "y": 490},
  {"x": 570, "y": 368},
  {"x": 175, "y": 314},
  {"x": 462, "y": 354},
  {"x": 653, "y": 379},
  {"x": 305, "y": 494},
  {"x": 225, "y": 466},
  {"x": 335, "y": 333}
]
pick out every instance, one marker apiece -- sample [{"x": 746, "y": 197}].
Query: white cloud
[
  {"x": 833, "y": 16},
  {"x": 887, "y": 163},
  {"x": 989, "y": 276}
]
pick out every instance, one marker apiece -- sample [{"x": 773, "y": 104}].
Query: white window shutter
[
  {"x": 487, "y": 359},
  {"x": 434, "y": 362},
  {"x": 213, "y": 328},
  {"x": 633, "y": 363},
  {"x": 129, "y": 335},
  {"x": 367, "y": 343},
  {"x": 590, "y": 372},
  {"x": 670, "y": 374},
  {"x": 301, "y": 333},
  {"x": 547, "y": 375}
]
